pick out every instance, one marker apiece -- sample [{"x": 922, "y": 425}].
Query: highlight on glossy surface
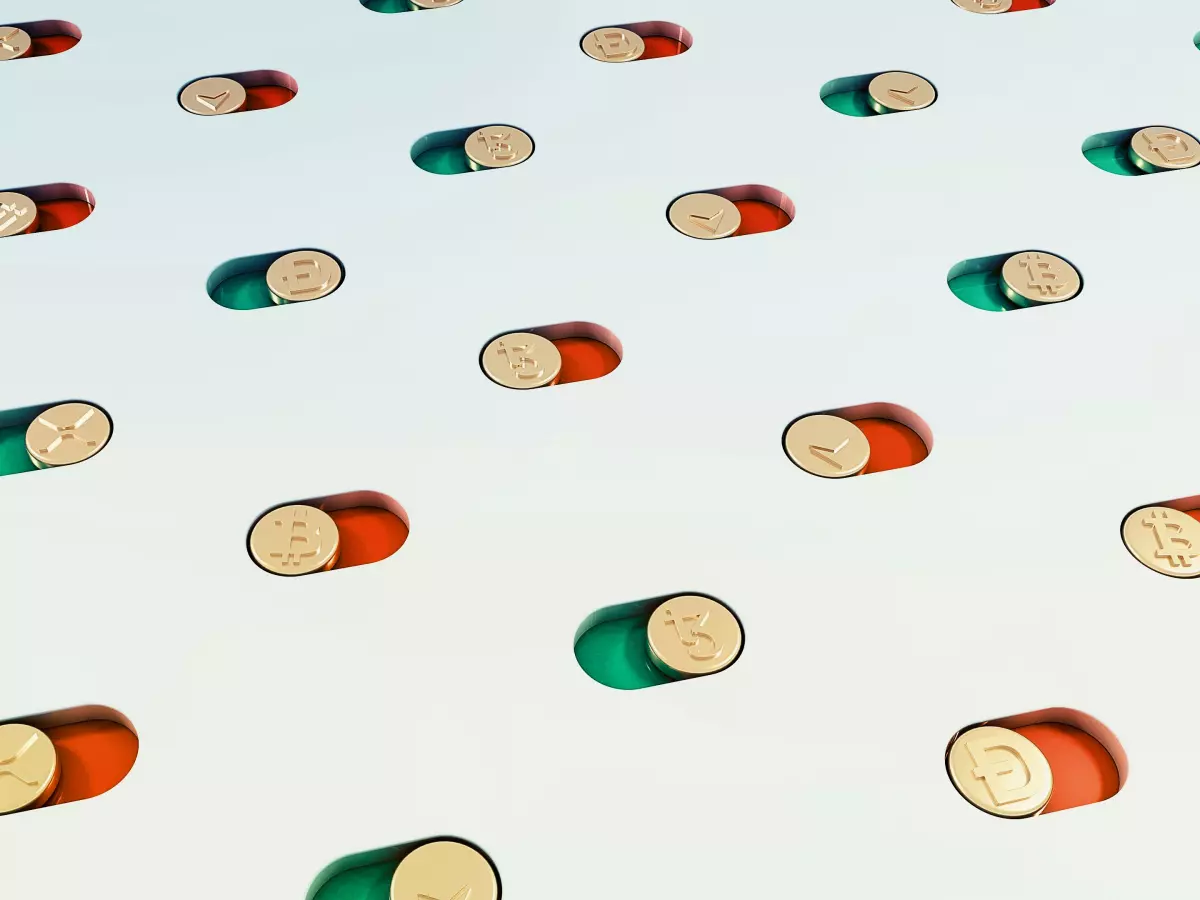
[
  {"x": 94, "y": 748},
  {"x": 370, "y": 875},
  {"x": 445, "y": 152},
  {"x": 636, "y": 41},
  {"x": 46, "y": 37},
  {"x": 31, "y": 439},
  {"x": 236, "y": 92},
  {"x": 730, "y": 211},
  {"x": 251, "y": 282},
  {"x": 43, "y": 207},
  {"x": 399, "y": 6},
  {"x": 1019, "y": 279},
  {"x": 896, "y": 438},
  {"x": 554, "y": 355}
]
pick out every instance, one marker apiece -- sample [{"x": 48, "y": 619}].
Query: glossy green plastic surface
[
  {"x": 613, "y": 652},
  {"x": 1113, "y": 158},
  {"x": 444, "y": 161},
  {"x": 247, "y": 290},
  {"x": 369, "y": 882},
  {"x": 982, "y": 291},
  {"x": 387, "y": 6},
  {"x": 850, "y": 103},
  {"x": 13, "y": 457}
]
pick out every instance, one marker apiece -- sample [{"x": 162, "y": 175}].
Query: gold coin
[
  {"x": 984, "y": 6},
  {"x": 704, "y": 216},
  {"x": 14, "y": 43},
  {"x": 1034, "y": 278},
  {"x": 1000, "y": 772},
  {"x": 18, "y": 214},
  {"x": 432, "y": 4},
  {"x": 303, "y": 275},
  {"x": 213, "y": 97},
  {"x": 522, "y": 360},
  {"x": 444, "y": 870},
  {"x": 1158, "y": 148},
  {"x": 900, "y": 92},
  {"x": 691, "y": 635},
  {"x": 67, "y": 434},
  {"x": 829, "y": 446},
  {"x": 614, "y": 45},
  {"x": 497, "y": 146},
  {"x": 29, "y": 768},
  {"x": 1165, "y": 540},
  {"x": 295, "y": 540}
]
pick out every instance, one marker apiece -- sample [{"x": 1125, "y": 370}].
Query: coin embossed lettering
[
  {"x": 701, "y": 645},
  {"x": 1002, "y": 770},
  {"x": 1173, "y": 547},
  {"x": 463, "y": 893}
]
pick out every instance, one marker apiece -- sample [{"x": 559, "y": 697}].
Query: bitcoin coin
[
  {"x": 29, "y": 768},
  {"x": 613, "y": 45},
  {"x": 295, "y": 540},
  {"x": 704, "y": 216},
  {"x": 522, "y": 360},
  {"x": 18, "y": 214},
  {"x": 1165, "y": 540},
  {"x": 1034, "y": 279},
  {"x": 432, "y": 4},
  {"x": 14, "y": 43},
  {"x": 1160, "y": 148},
  {"x": 1000, "y": 772},
  {"x": 825, "y": 445},
  {"x": 498, "y": 146},
  {"x": 987, "y": 7},
  {"x": 445, "y": 870},
  {"x": 213, "y": 97},
  {"x": 899, "y": 92},
  {"x": 67, "y": 434},
  {"x": 303, "y": 275},
  {"x": 692, "y": 635}
]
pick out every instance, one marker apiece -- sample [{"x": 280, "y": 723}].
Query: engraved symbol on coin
[
  {"x": 444, "y": 870},
  {"x": 828, "y": 446},
  {"x": 14, "y": 43},
  {"x": 498, "y": 146},
  {"x": 1165, "y": 540},
  {"x": 66, "y": 434},
  {"x": 692, "y": 635},
  {"x": 18, "y": 214},
  {"x": 899, "y": 92},
  {"x": 29, "y": 768},
  {"x": 303, "y": 275},
  {"x": 704, "y": 216},
  {"x": 614, "y": 45},
  {"x": 522, "y": 360},
  {"x": 295, "y": 540},
  {"x": 984, "y": 6},
  {"x": 1036, "y": 278},
  {"x": 1000, "y": 771},
  {"x": 217, "y": 96},
  {"x": 1158, "y": 148},
  {"x": 463, "y": 893}
]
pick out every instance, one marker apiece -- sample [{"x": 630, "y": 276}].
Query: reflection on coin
[
  {"x": 497, "y": 146},
  {"x": 432, "y": 4},
  {"x": 1000, "y": 772},
  {"x": 445, "y": 870},
  {"x": 900, "y": 92},
  {"x": 18, "y": 214},
  {"x": 984, "y": 6},
  {"x": 522, "y": 360},
  {"x": 614, "y": 45},
  {"x": 704, "y": 216},
  {"x": 1034, "y": 278},
  {"x": 29, "y": 768},
  {"x": 66, "y": 434},
  {"x": 829, "y": 446},
  {"x": 295, "y": 540},
  {"x": 14, "y": 43},
  {"x": 1165, "y": 540},
  {"x": 213, "y": 97},
  {"x": 1158, "y": 148},
  {"x": 303, "y": 275},
  {"x": 692, "y": 635}
]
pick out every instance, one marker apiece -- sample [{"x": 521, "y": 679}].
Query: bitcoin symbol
[
  {"x": 523, "y": 366},
  {"x": 12, "y": 218},
  {"x": 1007, "y": 777},
  {"x": 299, "y": 540},
  {"x": 700, "y": 645},
  {"x": 1173, "y": 547},
  {"x": 1046, "y": 276},
  {"x": 295, "y": 540}
]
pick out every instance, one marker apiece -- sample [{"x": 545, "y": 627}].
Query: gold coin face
[
  {"x": 1000, "y": 772},
  {"x": 295, "y": 540},
  {"x": 303, "y": 275},
  {"x": 522, "y": 360},
  {"x": 14, "y": 43},
  {"x": 900, "y": 92},
  {"x": 433, "y": 4},
  {"x": 1034, "y": 278},
  {"x": 444, "y": 870},
  {"x": 987, "y": 7},
  {"x": 1165, "y": 540},
  {"x": 18, "y": 214},
  {"x": 692, "y": 635},
  {"x": 614, "y": 45},
  {"x": 497, "y": 147},
  {"x": 67, "y": 434},
  {"x": 704, "y": 216},
  {"x": 213, "y": 97},
  {"x": 1160, "y": 147},
  {"x": 825, "y": 445},
  {"x": 28, "y": 768}
]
